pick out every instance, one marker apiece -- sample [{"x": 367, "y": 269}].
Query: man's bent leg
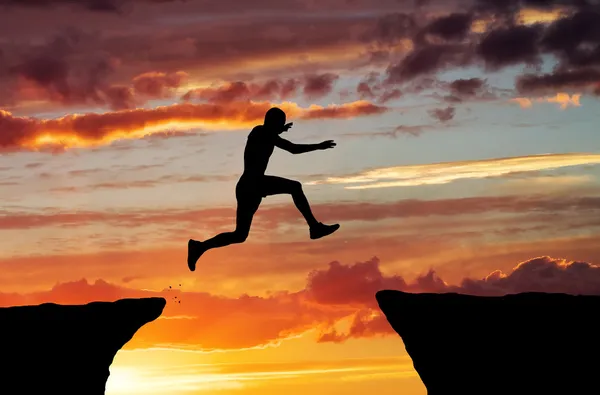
[
  {"x": 246, "y": 209},
  {"x": 273, "y": 185}
]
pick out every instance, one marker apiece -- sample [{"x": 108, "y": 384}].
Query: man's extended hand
[{"x": 326, "y": 144}]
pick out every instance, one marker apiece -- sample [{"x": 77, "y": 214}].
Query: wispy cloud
[
  {"x": 446, "y": 172},
  {"x": 272, "y": 215}
]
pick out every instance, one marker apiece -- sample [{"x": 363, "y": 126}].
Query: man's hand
[
  {"x": 326, "y": 144},
  {"x": 287, "y": 126}
]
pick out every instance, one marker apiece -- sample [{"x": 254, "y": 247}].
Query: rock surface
[
  {"x": 68, "y": 349},
  {"x": 521, "y": 344}
]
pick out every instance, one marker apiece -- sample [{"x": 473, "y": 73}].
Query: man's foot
[
  {"x": 195, "y": 250},
  {"x": 321, "y": 230}
]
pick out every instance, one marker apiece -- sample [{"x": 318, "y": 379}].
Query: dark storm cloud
[{"x": 559, "y": 80}]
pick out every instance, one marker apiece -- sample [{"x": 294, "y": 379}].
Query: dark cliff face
[
  {"x": 68, "y": 349},
  {"x": 523, "y": 344}
]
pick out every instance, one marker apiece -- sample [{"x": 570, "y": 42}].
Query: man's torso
[{"x": 259, "y": 148}]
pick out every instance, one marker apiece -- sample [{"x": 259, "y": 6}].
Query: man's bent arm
[{"x": 296, "y": 148}]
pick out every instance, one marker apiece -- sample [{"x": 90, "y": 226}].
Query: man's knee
[
  {"x": 295, "y": 187},
  {"x": 239, "y": 236}
]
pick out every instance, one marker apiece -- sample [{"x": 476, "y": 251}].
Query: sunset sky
[{"x": 467, "y": 160}]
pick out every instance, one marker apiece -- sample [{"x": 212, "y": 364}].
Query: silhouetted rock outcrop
[
  {"x": 66, "y": 349},
  {"x": 522, "y": 344}
]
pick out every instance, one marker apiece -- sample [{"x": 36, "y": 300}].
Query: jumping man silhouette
[{"x": 254, "y": 185}]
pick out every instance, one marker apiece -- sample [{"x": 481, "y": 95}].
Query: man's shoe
[
  {"x": 195, "y": 250},
  {"x": 322, "y": 230}
]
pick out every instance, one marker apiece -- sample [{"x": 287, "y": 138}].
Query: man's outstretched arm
[{"x": 302, "y": 148}]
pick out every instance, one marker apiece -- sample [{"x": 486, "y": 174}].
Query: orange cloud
[
  {"x": 338, "y": 292},
  {"x": 564, "y": 100},
  {"x": 531, "y": 16},
  {"x": 97, "y": 129},
  {"x": 522, "y": 101}
]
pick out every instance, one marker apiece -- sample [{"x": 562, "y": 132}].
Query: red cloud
[
  {"x": 240, "y": 91},
  {"x": 371, "y": 87},
  {"x": 195, "y": 319},
  {"x": 543, "y": 274},
  {"x": 158, "y": 85},
  {"x": 350, "y": 285},
  {"x": 314, "y": 86},
  {"x": 319, "y": 85}
]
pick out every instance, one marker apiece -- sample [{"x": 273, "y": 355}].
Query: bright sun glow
[{"x": 132, "y": 380}]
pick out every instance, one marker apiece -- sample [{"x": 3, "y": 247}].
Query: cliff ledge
[
  {"x": 521, "y": 344},
  {"x": 68, "y": 349}
]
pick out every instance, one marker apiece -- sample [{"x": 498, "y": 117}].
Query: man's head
[{"x": 275, "y": 119}]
